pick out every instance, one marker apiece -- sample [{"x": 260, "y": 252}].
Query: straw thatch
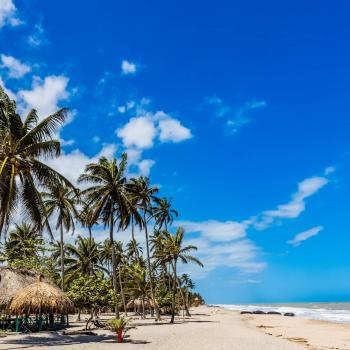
[
  {"x": 40, "y": 298},
  {"x": 12, "y": 280}
]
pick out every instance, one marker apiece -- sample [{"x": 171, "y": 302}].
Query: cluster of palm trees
[{"x": 43, "y": 196}]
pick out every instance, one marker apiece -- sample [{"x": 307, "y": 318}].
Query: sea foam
[{"x": 332, "y": 312}]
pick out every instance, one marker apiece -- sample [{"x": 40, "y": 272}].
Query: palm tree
[
  {"x": 108, "y": 199},
  {"x": 120, "y": 258},
  {"x": 163, "y": 214},
  {"x": 137, "y": 284},
  {"x": 143, "y": 193},
  {"x": 23, "y": 144},
  {"x": 186, "y": 284},
  {"x": 133, "y": 216},
  {"x": 134, "y": 251},
  {"x": 62, "y": 200},
  {"x": 83, "y": 257},
  {"x": 87, "y": 219},
  {"x": 172, "y": 250},
  {"x": 24, "y": 242}
]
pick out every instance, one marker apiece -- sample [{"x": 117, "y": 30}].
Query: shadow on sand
[{"x": 62, "y": 340}]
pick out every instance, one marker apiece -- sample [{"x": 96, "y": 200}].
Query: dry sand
[{"x": 209, "y": 328}]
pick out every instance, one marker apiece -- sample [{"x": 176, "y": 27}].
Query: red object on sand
[{"x": 120, "y": 335}]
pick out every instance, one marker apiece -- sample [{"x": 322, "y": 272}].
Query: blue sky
[{"x": 237, "y": 109}]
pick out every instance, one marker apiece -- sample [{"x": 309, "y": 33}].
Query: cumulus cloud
[
  {"x": 222, "y": 243},
  {"x": 128, "y": 67},
  {"x": 8, "y": 14},
  {"x": 46, "y": 94},
  {"x": 171, "y": 129},
  {"x": 142, "y": 130},
  {"x": 295, "y": 206},
  {"x": 16, "y": 69},
  {"x": 72, "y": 164},
  {"x": 139, "y": 132},
  {"x": 303, "y": 236}
]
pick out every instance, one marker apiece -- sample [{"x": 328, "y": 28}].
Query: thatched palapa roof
[
  {"x": 13, "y": 280},
  {"x": 40, "y": 298}
]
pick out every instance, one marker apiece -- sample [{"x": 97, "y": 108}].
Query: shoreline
[{"x": 210, "y": 328}]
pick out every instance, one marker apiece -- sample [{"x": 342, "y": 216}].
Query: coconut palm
[
  {"x": 133, "y": 217},
  {"x": 83, "y": 257},
  {"x": 87, "y": 219},
  {"x": 171, "y": 250},
  {"x": 24, "y": 242},
  {"x": 107, "y": 197},
  {"x": 143, "y": 194},
  {"x": 23, "y": 146},
  {"x": 137, "y": 284},
  {"x": 62, "y": 200},
  {"x": 186, "y": 284},
  {"x": 134, "y": 251},
  {"x": 163, "y": 214}
]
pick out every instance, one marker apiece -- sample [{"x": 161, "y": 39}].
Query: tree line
[{"x": 111, "y": 273}]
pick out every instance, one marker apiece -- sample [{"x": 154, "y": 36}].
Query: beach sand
[{"x": 209, "y": 328}]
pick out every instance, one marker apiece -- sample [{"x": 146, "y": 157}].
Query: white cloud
[
  {"x": 37, "y": 38},
  {"x": 243, "y": 256},
  {"x": 46, "y": 94},
  {"x": 72, "y": 164},
  {"x": 171, "y": 130},
  {"x": 295, "y": 206},
  {"x": 10, "y": 93},
  {"x": 214, "y": 230},
  {"x": 8, "y": 14},
  {"x": 121, "y": 109},
  {"x": 145, "y": 166},
  {"x": 303, "y": 236},
  {"x": 236, "y": 116},
  {"x": 128, "y": 67},
  {"x": 16, "y": 69},
  {"x": 139, "y": 132}
]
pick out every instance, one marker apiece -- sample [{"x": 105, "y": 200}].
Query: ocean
[{"x": 333, "y": 312}]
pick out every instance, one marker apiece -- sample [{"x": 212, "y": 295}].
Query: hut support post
[
  {"x": 40, "y": 323},
  {"x": 17, "y": 324}
]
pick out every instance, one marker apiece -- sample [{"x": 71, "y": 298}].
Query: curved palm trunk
[
  {"x": 149, "y": 269},
  {"x": 173, "y": 302},
  {"x": 114, "y": 272},
  {"x": 62, "y": 258}
]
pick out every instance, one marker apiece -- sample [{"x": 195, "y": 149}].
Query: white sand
[{"x": 209, "y": 328}]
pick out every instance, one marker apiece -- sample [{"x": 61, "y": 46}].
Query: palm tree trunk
[
  {"x": 122, "y": 292},
  {"x": 90, "y": 232},
  {"x": 62, "y": 258},
  {"x": 173, "y": 302},
  {"x": 137, "y": 258},
  {"x": 149, "y": 269},
  {"x": 114, "y": 272},
  {"x": 188, "y": 314}
]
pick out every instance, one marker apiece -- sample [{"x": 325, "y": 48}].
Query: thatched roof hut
[
  {"x": 13, "y": 280},
  {"x": 40, "y": 298}
]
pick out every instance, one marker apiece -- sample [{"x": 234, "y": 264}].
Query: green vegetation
[{"x": 97, "y": 274}]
